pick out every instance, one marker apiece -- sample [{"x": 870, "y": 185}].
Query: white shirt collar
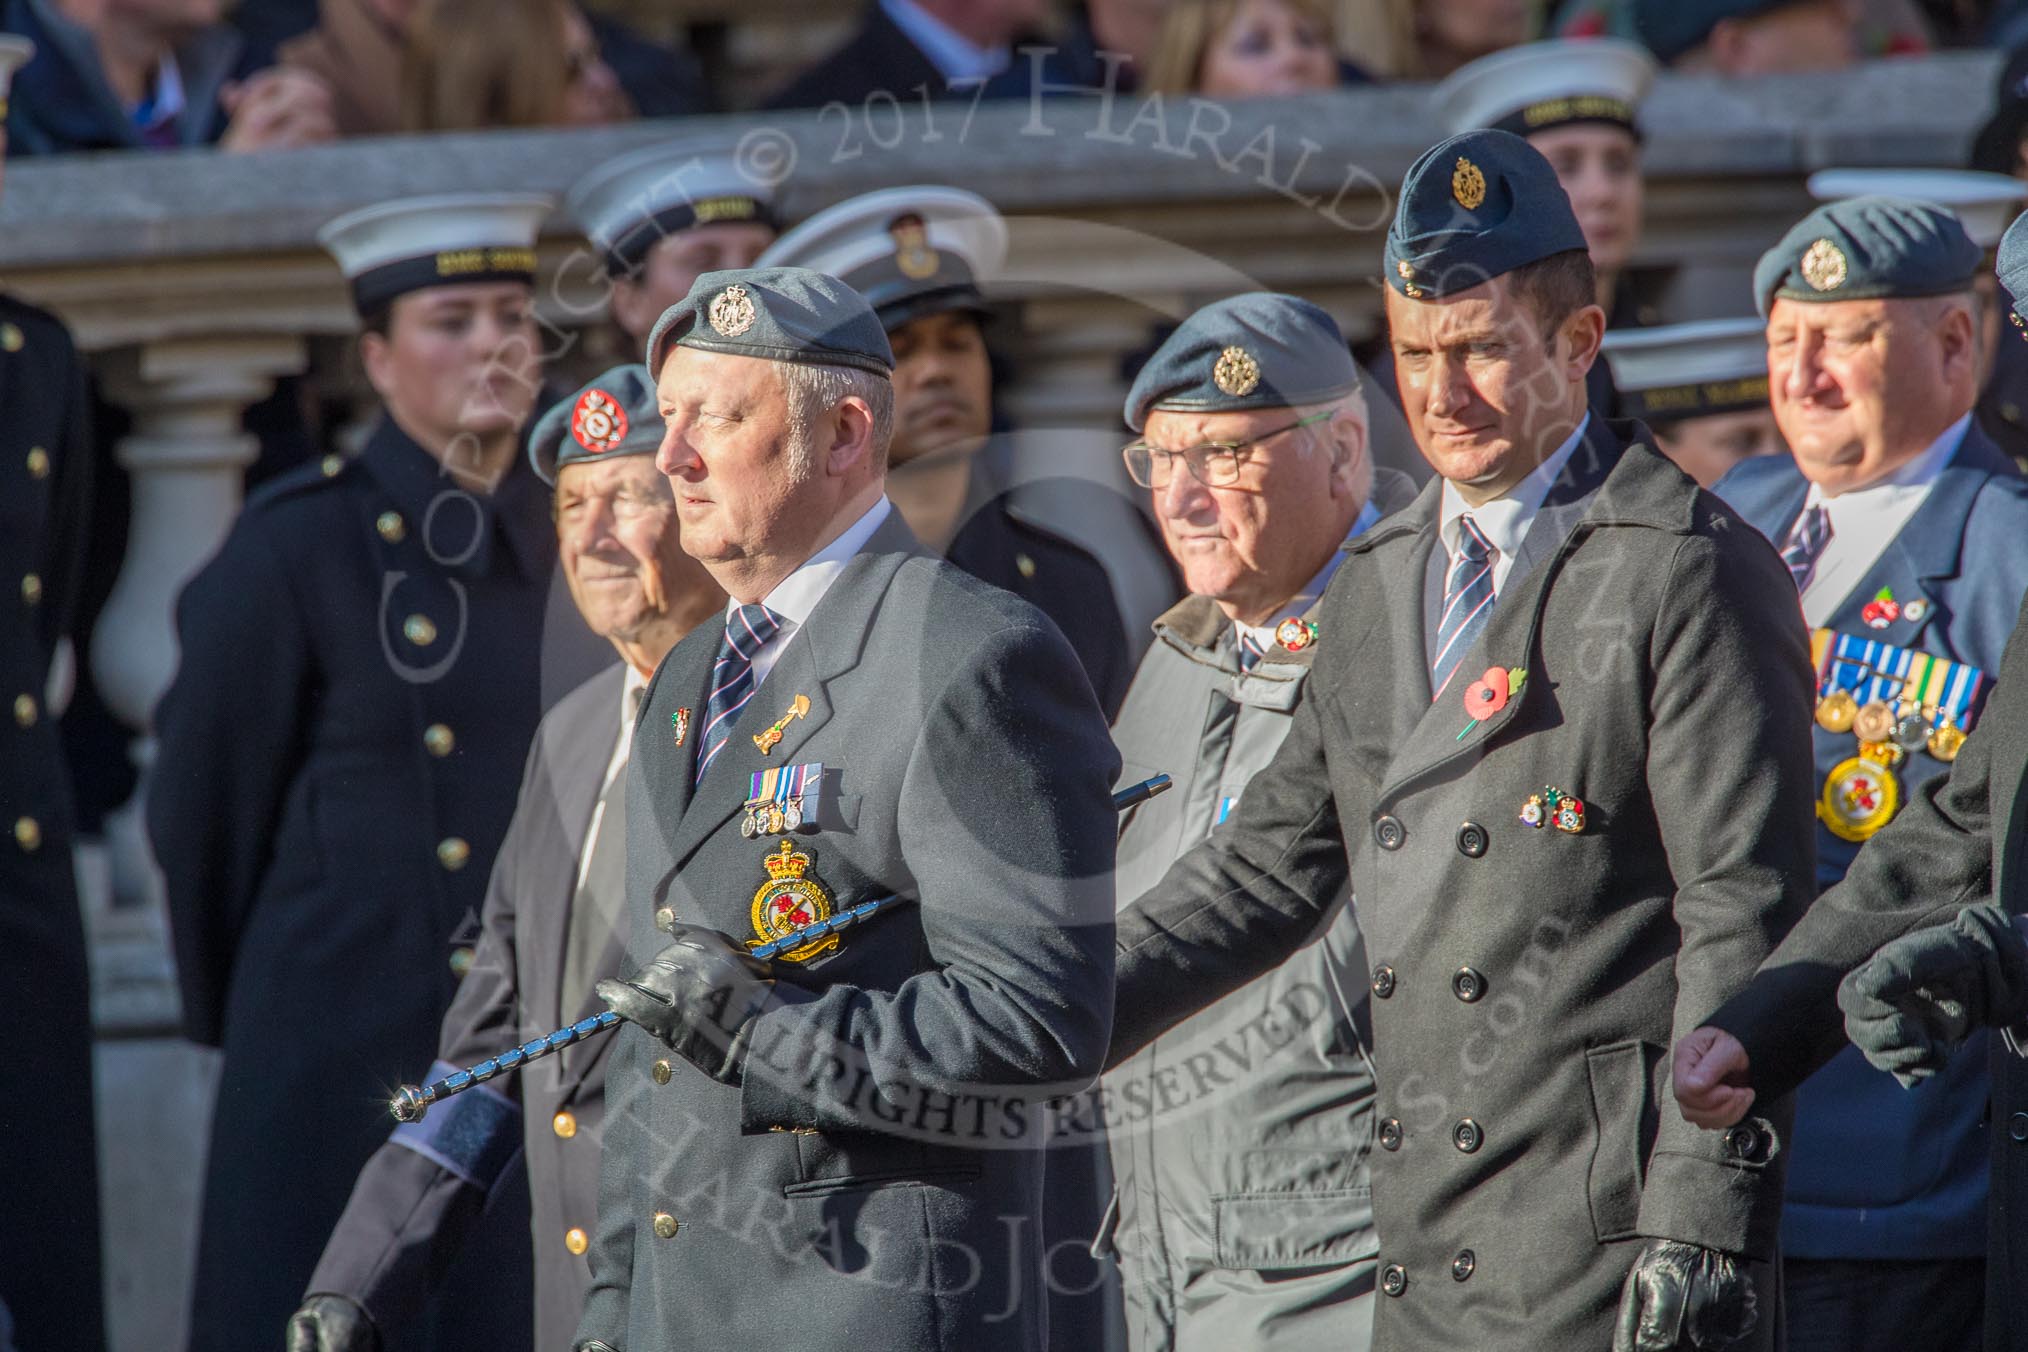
[
  {"x": 1917, "y": 474},
  {"x": 167, "y": 100},
  {"x": 796, "y": 595},
  {"x": 956, "y": 56},
  {"x": 1505, "y": 520}
]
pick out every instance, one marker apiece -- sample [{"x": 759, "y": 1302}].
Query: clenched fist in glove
[
  {"x": 1682, "y": 1296},
  {"x": 697, "y": 996},
  {"x": 1910, "y": 1005}
]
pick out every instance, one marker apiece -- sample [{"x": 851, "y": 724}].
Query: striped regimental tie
[
  {"x": 747, "y": 630},
  {"x": 1468, "y": 603},
  {"x": 1250, "y": 651},
  {"x": 1807, "y": 539}
]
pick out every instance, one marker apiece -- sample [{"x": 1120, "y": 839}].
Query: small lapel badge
[
  {"x": 680, "y": 720},
  {"x": 1295, "y": 634},
  {"x": 1882, "y": 610},
  {"x": 1553, "y": 807},
  {"x": 770, "y": 737}
]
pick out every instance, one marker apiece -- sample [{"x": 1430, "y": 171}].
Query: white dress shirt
[
  {"x": 1505, "y": 520},
  {"x": 796, "y": 595},
  {"x": 1865, "y": 521},
  {"x": 632, "y": 687}
]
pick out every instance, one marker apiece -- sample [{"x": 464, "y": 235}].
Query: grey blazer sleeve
[
  {"x": 419, "y": 1195},
  {"x": 1007, "y": 826}
]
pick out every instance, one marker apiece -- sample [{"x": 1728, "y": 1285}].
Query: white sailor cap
[
  {"x": 392, "y": 248},
  {"x": 1690, "y": 370},
  {"x": 15, "y": 52},
  {"x": 629, "y": 204},
  {"x": 1540, "y": 85},
  {"x": 910, "y": 251},
  {"x": 1985, "y": 204}
]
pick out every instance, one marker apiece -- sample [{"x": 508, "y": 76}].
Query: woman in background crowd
[
  {"x": 1245, "y": 48},
  {"x": 506, "y": 63}
]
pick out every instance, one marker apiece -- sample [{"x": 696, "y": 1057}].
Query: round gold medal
[
  {"x": 1860, "y": 796},
  {"x": 1836, "y": 711},
  {"x": 1874, "y": 722},
  {"x": 1945, "y": 741}
]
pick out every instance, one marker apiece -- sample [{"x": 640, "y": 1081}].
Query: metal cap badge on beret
[
  {"x": 1540, "y": 85},
  {"x": 391, "y": 248},
  {"x": 2013, "y": 269},
  {"x": 1258, "y": 350},
  {"x": 778, "y": 314},
  {"x": 1682, "y": 371},
  {"x": 1983, "y": 203},
  {"x": 628, "y": 205},
  {"x": 1472, "y": 208},
  {"x": 615, "y": 415},
  {"x": 911, "y": 252},
  {"x": 1868, "y": 248},
  {"x": 1671, "y": 28}
]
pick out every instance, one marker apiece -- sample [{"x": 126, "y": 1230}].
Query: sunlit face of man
[
  {"x": 1861, "y": 387},
  {"x": 1487, "y": 392},
  {"x": 1705, "y": 448},
  {"x": 943, "y": 384},
  {"x": 1253, "y": 544},
  {"x": 676, "y": 261},
  {"x": 621, "y": 552},
  {"x": 1599, "y": 166},
  {"x": 456, "y": 360}
]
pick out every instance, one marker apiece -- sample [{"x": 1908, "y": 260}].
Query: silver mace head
[{"x": 409, "y": 1105}]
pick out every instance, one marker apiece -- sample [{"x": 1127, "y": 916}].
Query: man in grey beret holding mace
[
  {"x": 847, "y": 1139},
  {"x": 1555, "y": 737}
]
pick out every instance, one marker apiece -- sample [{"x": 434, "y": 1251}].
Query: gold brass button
[
  {"x": 331, "y": 465},
  {"x": 461, "y": 961},
  {"x": 24, "y": 710},
  {"x": 564, "y": 1125},
  {"x": 419, "y": 630},
  {"x": 452, "y": 852},
  {"x": 28, "y": 834},
  {"x": 665, "y": 1225},
  {"x": 391, "y": 527},
  {"x": 1024, "y": 565},
  {"x": 575, "y": 1240},
  {"x": 665, "y": 917},
  {"x": 11, "y": 337},
  {"x": 661, "y": 1070},
  {"x": 31, "y": 589},
  {"x": 439, "y": 740},
  {"x": 38, "y": 463}
]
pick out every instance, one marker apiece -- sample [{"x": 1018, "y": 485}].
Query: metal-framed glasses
[{"x": 1215, "y": 464}]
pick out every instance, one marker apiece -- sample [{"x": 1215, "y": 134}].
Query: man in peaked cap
[
  {"x": 553, "y": 923},
  {"x": 1554, "y": 738},
  {"x": 1903, "y": 525},
  {"x": 1750, "y": 37},
  {"x": 844, "y": 1144},
  {"x": 49, "y": 1203},
  {"x": 663, "y": 216},
  {"x": 1701, "y": 388},
  {"x": 921, "y": 256},
  {"x": 326, "y": 817},
  {"x": 1229, "y": 1220}
]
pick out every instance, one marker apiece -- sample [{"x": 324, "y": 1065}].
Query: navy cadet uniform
[
  {"x": 359, "y": 683},
  {"x": 1910, "y": 586},
  {"x": 859, "y": 1163},
  {"x": 1540, "y": 87},
  {"x": 1239, "y": 1139},
  {"x": 551, "y": 929},
  {"x": 49, "y": 1205},
  {"x": 919, "y": 251},
  {"x": 1557, "y": 865},
  {"x": 1694, "y": 386}
]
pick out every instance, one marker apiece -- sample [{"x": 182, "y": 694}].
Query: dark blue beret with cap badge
[
  {"x": 1868, "y": 248},
  {"x": 616, "y": 414},
  {"x": 1258, "y": 350},
  {"x": 1473, "y": 208},
  {"x": 776, "y": 314}
]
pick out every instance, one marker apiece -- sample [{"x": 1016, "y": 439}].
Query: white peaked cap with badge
[
  {"x": 901, "y": 247},
  {"x": 1539, "y": 85},
  {"x": 391, "y": 248},
  {"x": 1986, "y": 204},
  {"x": 629, "y": 203},
  {"x": 1689, "y": 370}
]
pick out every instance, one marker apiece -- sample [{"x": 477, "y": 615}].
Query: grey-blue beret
[
  {"x": 1868, "y": 248},
  {"x": 1258, "y": 350},
  {"x": 1472, "y": 208},
  {"x": 615, "y": 415},
  {"x": 778, "y": 314}
]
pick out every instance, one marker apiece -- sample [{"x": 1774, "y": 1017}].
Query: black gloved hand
[
  {"x": 1910, "y": 1005},
  {"x": 1684, "y": 1296},
  {"x": 697, "y": 996},
  {"x": 329, "y": 1323}
]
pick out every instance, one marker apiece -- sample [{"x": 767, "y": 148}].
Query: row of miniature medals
[{"x": 1895, "y": 702}]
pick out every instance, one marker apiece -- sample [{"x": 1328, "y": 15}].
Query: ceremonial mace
[{"x": 412, "y": 1102}]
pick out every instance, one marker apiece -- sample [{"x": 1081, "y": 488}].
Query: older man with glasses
[{"x": 1228, "y": 1219}]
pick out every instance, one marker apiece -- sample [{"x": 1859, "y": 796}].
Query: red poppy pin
[
  {"x": 1489, "y": 694},
  {"x": 1882, "y": 610},
  {"x": 598, "y": 423}
]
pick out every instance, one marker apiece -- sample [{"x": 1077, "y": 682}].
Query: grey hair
[{"x": 812, "y": 391}]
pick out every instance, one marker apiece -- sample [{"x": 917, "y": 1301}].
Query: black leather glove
[
  {"x": 332, "y": 1324},
  {"x": 1910, "y": 1005},
  {"x": 697, "y": 996},
  {"x": 1684, "y": 1296}
]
